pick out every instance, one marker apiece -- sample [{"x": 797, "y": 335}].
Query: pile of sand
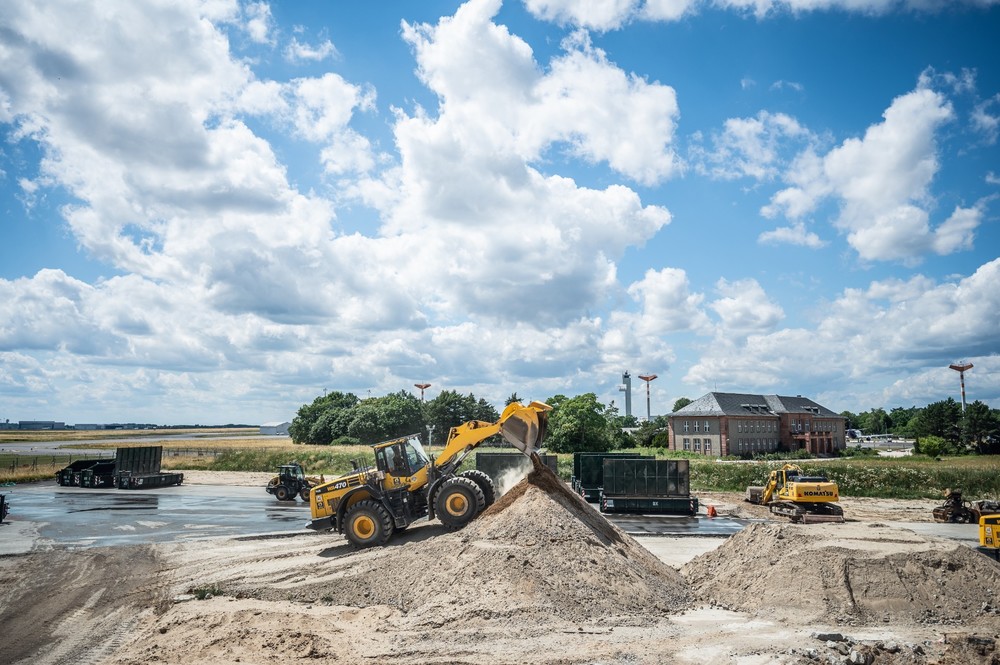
[
  {"x": 868, "y": 574},
  {"x": 539, "y": 552}
]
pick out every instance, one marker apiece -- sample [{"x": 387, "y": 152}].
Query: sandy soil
[{"x": 539, "y": 578}]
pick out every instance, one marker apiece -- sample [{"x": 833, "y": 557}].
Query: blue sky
[{"x": 214, "y": 211}]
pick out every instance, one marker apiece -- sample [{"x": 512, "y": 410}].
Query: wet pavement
[
  {"x": 44, "y": 514},
  {"x": 84, "y": 517}
]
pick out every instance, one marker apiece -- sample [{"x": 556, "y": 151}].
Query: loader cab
[
  {"x": 400, "y": 458},
  {"x": 291, "y": 473}
]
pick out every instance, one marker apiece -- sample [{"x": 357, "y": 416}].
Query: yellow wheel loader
[
  {"x": 368, "y": 505},
  {"x": 791, "y": 493},
  {"x": 292, "y": 482}
]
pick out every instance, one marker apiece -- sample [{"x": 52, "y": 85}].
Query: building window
[
  {"x": 696, "y": 426},
  {"x": 687, "y": 426},
  {"x": 706, "y": 426},
  {"x": 739, "y": 426},
  {"x": 697, "y": 445},
  {"x": 687, "y": 444}
]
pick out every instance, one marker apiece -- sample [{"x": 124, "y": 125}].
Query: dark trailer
[
  {"x": 70, "y": 475},
  {"x": 139, "y": 468},
  {"x": 647, "y": 486},
  {"x": 588, "y": 472}
]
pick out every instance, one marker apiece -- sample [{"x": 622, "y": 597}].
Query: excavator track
[{"x": 807, "y": 513}]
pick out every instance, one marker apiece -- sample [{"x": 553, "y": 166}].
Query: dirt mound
[
  {"x": 539, "y": 552},
  {"x": 847, "y": 574}
]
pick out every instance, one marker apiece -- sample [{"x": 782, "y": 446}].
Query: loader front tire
[
  {"x": 458, "y": 502},
  {"x": 485, "y": 483},
  {"x": 367, "y": 524},
  {"x": 282, "y": 493}
]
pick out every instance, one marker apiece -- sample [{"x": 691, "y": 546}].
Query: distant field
[{"x": 70, "y": 435}]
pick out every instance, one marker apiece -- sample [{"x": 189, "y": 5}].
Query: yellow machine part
[
  {"x": 808, "y": 492},
  {"x": 989, "y": 531}
]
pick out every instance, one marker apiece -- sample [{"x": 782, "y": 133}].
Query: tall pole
[
  {"x": 960, "y": 368},
  {"x": 647, "y": 378},
  {"x": 421, "y": 386}
]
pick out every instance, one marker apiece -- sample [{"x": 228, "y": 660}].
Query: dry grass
[{"x": 69, "y": 435}]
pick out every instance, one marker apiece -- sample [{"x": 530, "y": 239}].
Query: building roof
[{"x": 747, "y": 404}]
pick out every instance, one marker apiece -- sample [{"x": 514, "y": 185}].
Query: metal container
[
  {"x": 646, "y": 477},
  {"x": 141, "y": 460},
  {"x": 101, "y": 474},
  {"x": 129, "y": 481},
  {"x": 676, "y": 505},
  {"x": 588, "y": 471},
  {"x": 71, "y": 474}
]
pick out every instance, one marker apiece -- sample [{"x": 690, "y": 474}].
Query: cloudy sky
[{"x": 213, "y": 211}]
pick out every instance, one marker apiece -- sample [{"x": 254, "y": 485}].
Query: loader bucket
[{"x": 524, "y": 427}]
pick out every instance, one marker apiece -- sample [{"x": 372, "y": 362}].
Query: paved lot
[{"x": 44, "y": 514}]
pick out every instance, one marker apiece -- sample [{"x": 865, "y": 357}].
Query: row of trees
[
  {"x": 578, "y": 423},
  {"x": 342, "y": 418},
  {"x": 977, "y": 430},
  {"x": 583, "y": 424}
]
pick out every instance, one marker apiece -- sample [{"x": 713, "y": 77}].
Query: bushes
[{"x": 331, "y": 462}]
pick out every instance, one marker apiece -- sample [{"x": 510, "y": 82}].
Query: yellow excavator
[
  {"x": 793, "y": 494},
  {"x": 369, "y": 505}
]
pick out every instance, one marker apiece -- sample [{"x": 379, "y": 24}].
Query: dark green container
[
  {"x": 668, "y": 505},
  {"x": 142, "y": 460},
  {"x": 101, "y": 474},
  {"x": 71, "y": 474},
  {"x": 588, "y": 471},
  {"x": 646, "y": 477},
  {"x": 647, "y": 486}
]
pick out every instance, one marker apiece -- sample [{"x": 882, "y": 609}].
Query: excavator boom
[{"x": 521, "y": 426}]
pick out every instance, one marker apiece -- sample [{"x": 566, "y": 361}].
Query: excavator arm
[
  {"x": 772, "y": 484},
  {"x": 522, "y": 426}
]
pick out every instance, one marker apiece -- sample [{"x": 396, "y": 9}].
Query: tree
[
  {"x": 941, "y": 419},
  {"x": 681, "y": 403},
  {"x": 380, "y": 418},
  {"x": 981, "y": 428},
  {"x": 323, "y": 420},
  {"x": 648, "y": 435},
  {"x": 932, "y": 446},
  {"x": 578, "y": 424},
  {"x": 875, "y": 421},
  {"x": 450, "y": 409},
  {"x": 899, "y": 419}
]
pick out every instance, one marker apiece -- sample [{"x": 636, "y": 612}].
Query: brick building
[{"x": 741, "y": 424}]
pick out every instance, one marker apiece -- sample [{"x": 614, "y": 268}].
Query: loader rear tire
[
  {"x": 367, "y": 524},
  {"x": 458, "y": 502},
  {"x": 485, "y": 483}
]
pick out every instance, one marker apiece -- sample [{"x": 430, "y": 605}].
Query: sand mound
[
  {"x": 794, "y": 572},
  {"x": 539, "y": 552}
]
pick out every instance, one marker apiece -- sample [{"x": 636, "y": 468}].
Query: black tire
[
  {"x": 304, "y": 494},
  {"x": 282, "y": 493},
  {"x": 457, "y": 502},
  {"x": 485, "y": 483},
  {"x": 367, "y": 524}
]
